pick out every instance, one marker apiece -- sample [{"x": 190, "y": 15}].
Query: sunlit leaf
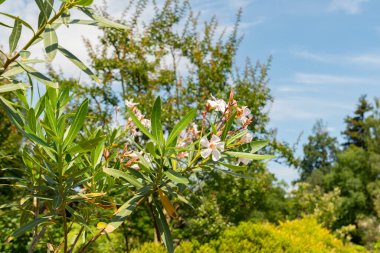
[
  {"x": 38, "y": 76},
  {"x": 77, "y": 123},
  {"x": 15, "y": 35},
  {"x": 142, "y": 128},
  {"x": 14, "y": 17},
  {"x": 249, "y": 155},
  {"x": 176, "y": 177},
  {"x": 78, "y": 63},
  {"x": 181, "y": 125},
  {"x": 122, "y": 174},
  {"x": 12, "y": 87},
  {"x": 228, "y": 126},
  {"x": 166, "y": 203},
  {"x": 50, "y": 42},
  {"x": 163, "y": 227},
  {"x": 156, "y": 121},
  {"x": 103, "y": 21}
]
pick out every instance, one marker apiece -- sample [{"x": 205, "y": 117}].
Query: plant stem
[
  {"x": 36, "y": 239},
  {"x": 37, "y": 35},
  {"x": 76, "y": 239}
]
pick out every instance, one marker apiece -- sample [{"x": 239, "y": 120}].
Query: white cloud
[
  {"x": 364, "y": 59},
  {"x": 304, "y": 108},
  {"x": 348, "y": 6},
  {"x": 307, "y": 78}
]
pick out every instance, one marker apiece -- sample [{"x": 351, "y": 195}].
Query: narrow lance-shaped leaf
[
  {"x": 166, "y": 203},
  {"x": 50, "y": 42},
  {"x": 228, "y": 126},
  {"x": 249, "y": 155},
  {"x": 77, "y": 123},
  {"x": 29, "y": 226},
  {"x": 78, "y": 63},
  {"x": 15, "y": 35},
  {"x": 137, "y": 122},
  {"x": 156, "y": 121},
  {"x": 121, "y": 174},
  {"x": 103, "y": 21},
  {"x": 38, "y": 76},
  {"x": 182, "y": 124},
  {"x": 176, "y": 177},
  {"x": 163, "y": 227},
  {"x": 13, "y": 86},
  {"x": 124, "y": 211},
  {"x": 22, "y": 21}
]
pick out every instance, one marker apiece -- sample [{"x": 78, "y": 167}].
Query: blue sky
[{"x": 326, "y": 53}]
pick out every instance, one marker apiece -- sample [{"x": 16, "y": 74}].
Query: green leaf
[
  {"x": 137, "y": 122},
  {"x": 13, "y": 71},
  {"x": 78, "y": 63},
  {"x": 84, "y": 2},
  {"x": 12, "y": 87},
  {"x": 176, "y": 177},
  {"x": 86, "y": 145},
  {"x": 103, "y": 21},
  {"x": 236, "y": 174},
  {"x": 15, "y": 35},
  {"x": 181, "y": 125},
  {"x": 50, "y": 42},
  {"x": 249, "y": 155},
  {"x": 30, "y": 226},
  {"x": 31, "y": 120},
  {"x": 228, "y": 126},
  {"x": 234, "y": 167},
  {"x": 22, "y": 21},
  {"x": 125, "y": 210},
  {"x": 12, "y": 113},
  {"x": 77, "y": 123},
  {"x": 38, "y": 76},
  {"x": 163, "y": 227},
  {"x": 5, "y": 25},
  {"x": 156, "y": 121},
  {"x": 2, "y": 1},
  {"x": 121, "y": 174},
  {"x": 24, "y": 54},
  {"x": 257, "y": 145}
]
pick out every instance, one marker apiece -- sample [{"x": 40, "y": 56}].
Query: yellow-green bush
[{"x": 302, "y": 235}]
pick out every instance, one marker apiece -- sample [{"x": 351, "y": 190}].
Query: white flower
[
  {"x": 214, "y": 147},
  {"x": 130, "y": 103},
  {"x": 146, "y": 123},
  {"x": 246, "y": 114},
  {"x": 244, "y": 161},
  {"x": 247, "y": 138},
  {"x": 218, "y": 104}
]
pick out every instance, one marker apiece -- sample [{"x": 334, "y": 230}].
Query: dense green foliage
[
  {"x": 97, "y": 174},
  {"x": 303, "y": 235}
]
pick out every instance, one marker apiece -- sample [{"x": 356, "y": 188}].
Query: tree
[
  {"x": 319, "y": 152},
  {"x": 355, "y": 130}
]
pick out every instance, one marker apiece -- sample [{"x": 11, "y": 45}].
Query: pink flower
[
  {"x": 218, "y": 104},
  {"x": 245, "y": 114},
  {"x": 214, "y": 147},
  {"x": 130, "y": 103},
  {"x": 247, "y": 138}
]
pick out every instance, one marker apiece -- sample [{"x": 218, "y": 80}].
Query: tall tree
[
  {"x": 355, "y": 131},
  {"x": 319, "y": 152}
]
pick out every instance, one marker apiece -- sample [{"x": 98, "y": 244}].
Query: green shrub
[{"x": 302, "y": 235}]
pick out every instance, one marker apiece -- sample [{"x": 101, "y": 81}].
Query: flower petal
[
  {"x": 220, "y": 145},
  {"x": 215, "y": 139},
  {"x": 206, "y": 152},
  {"x": 216, "y": 155},
  {"x": 204, "y": 142}
]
